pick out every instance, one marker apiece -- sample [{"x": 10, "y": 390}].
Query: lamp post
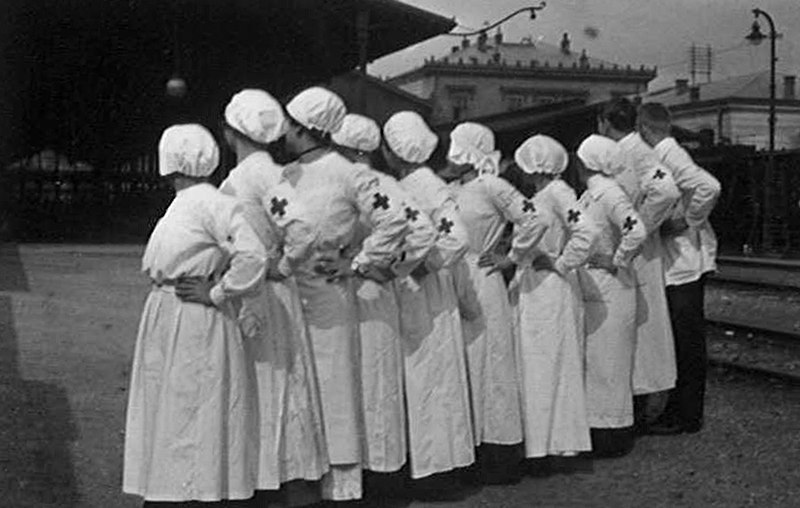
[
  {"x": 756, "y": 37},
  {"x": 532, "y": 10}
]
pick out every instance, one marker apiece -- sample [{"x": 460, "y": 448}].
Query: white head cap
[
  {"x": 358, "y": 132},
  {"x": 257, "y": 115},
  {"x": 409, "y": 137},
  {"x": 601, "y": 154},
  {"x": 541, "y": 154},
  {"x": 472, "y": 143},
  {"x": 318, "y": 108},
  {"x": 188, "y": 149}
]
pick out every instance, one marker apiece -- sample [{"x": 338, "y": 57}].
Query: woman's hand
[
  {"x": 374, "y": 273},
  {"x": 494, "y": 262},
  {"x": 420, "y": 271},
  {"x": 544, "y": 262},
  {"x": 672, "y": 227},
  {"x": 195, "y": 290}
]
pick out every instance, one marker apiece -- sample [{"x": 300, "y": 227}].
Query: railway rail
[
  {"x": 781, "y": 273},
  {"x": 755, "y": 340}
]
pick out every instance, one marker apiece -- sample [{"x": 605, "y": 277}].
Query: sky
[{"x": 635, "y": 32}]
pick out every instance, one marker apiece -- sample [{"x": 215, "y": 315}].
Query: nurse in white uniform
[
  {"x": 292, "y": 440},
  {"x": 487, "y": 204},
  {"x": 549, "y": 310},
  {"x": 191, "y": 431},
  {"x": 382, "y": 383},
  {"x": 333, "y": 194},
  {"x": 440, "y": 431},
  {"x": 608, "y": 283}
]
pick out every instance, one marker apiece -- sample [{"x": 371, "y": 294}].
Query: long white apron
[
  {"x": 548, "y": 311},
  {"x": 192, "y": 418},
  {"x": 491, "y": 358},
  {"x": 437, "y": 393},
  {"x": 654, "y": 367},
  {"x": 381, "y": 377},
  {"x": 610, "y": 319},
  {"x": 332, "y": 320},
  {"x": 291, "y": 430}
]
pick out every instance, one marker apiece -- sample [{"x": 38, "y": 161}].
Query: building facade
[
  {"x": 487, "y": 78},
  {"x": 736, "y": 110}
]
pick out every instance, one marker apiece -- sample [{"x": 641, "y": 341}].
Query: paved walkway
[{"x": 68, "y": 318}]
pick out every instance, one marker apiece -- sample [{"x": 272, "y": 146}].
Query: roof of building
[
  {"x": 524, "y": 57},
  {"x": 748, "y": 87},
  {"x": 131, "y": 49},
  {"x": 524, "y": 52},
  {"x": 386, "y": 86}
]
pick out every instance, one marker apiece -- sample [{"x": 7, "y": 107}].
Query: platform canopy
[{"x": 88, "y": 77}]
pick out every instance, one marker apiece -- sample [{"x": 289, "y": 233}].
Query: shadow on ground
[{"x": 36, "y": 426}]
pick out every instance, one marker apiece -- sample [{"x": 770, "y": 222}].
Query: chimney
[
  {"x": 498, "y": 37},
  {"x": 465, "y": 42},
  {"x": 694, "y": 93},
  {"x": 565, "y": 44},
  {"x": 788, "y": 87},
  {"x": 681, "y": 86}
]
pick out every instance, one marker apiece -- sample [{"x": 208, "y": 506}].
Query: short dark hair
[
  {"x": 620, "y": 113},
  {"x": 655, "y": 116},
  {"x": 321, "y": 137}
]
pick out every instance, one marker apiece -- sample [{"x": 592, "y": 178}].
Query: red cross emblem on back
[{"x": 278, "y": 206}]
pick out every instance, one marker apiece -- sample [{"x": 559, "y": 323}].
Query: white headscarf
[
  {"x": 601, "y": 154},
  {"x": 188, "y": 149},
  {"x": 409, "y": 137},
  {"x": 473, "y": 143},
  {"x": 318, "y": 108},
  {"x": 541, "y": 154},
  {"x": 359, "y": 133},
  {"x": 257, "y": 115}
]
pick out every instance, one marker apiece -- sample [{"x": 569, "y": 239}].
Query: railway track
[
  {"x": 780, "y": 273},
  {"x": 749, "y": 326}
]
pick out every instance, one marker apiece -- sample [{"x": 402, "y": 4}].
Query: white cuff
[{"x": 217, "y": 295}]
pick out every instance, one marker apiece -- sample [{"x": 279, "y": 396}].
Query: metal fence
[
  {"x": 53, "y": 205},
  {"x": 123, "y": 204},
  {"x": 743, "y": 225}
]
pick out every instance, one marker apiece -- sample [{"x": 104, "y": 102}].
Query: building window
[
  {"x": 460, "y": 99},
  {"x": 460, "y": 104},
  {"x": 515, "y": 101}
]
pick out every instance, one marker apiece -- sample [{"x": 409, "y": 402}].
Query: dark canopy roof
[{"x": 87, "y": 77}]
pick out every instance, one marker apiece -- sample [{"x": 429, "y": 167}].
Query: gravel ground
[{"x": 68, "y": 319}]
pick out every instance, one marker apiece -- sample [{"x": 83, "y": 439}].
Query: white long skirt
[
  {"x": 548, "y": 310},
  {"x": 292, "y": 438},
  {"x": 491, "y": 356},
  {"x": 191, "y": 431},
  {"x": 610, "y": 319},
  {"x": 381, "y": 377},
  {"x": 331, "y": 315},
  {"x": 654, "y": 368},
  {"x": 437, "y": 393}
]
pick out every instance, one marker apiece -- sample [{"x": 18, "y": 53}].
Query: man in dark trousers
[{"x": 690, "y": 248}]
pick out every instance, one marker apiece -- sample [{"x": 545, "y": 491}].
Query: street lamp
[
  {"x": 532, "y": 10},
  {"x": 756, "y": 37}
]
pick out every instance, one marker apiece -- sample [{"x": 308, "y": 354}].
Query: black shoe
[
  {"x": 693, "y": 428},
  {"x": 673, "y": 427},
  {"x": 665, "y": 429}
]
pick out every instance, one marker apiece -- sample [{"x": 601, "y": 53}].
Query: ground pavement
[{"x": 68, "y": 318}]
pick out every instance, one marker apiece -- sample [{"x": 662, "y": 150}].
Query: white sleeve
[{"x": 248, "y": 260}]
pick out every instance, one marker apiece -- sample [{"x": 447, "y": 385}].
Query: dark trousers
[{"x": 685, "y": 403}]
